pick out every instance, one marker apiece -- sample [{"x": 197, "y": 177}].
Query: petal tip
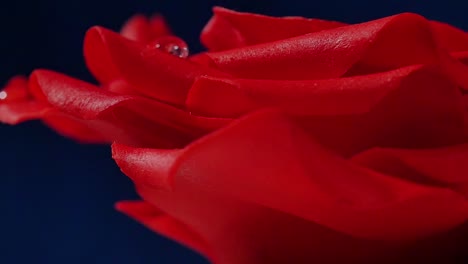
[{"x": 151, "y": 167}]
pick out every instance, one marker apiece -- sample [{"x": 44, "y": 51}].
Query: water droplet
[
  {"x": 3, "y": 95},
  {"x": 171, "y": 45}
]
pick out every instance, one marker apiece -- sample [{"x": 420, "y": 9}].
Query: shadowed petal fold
[
  {"x": 151, "y": 72},
  {"x": 132, "y": 119},
  {"x": 163, "y": 224},
  {"x": 265, "y": 159}
]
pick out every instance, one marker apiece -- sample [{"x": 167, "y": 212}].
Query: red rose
[{"x": 290, "y": 140}]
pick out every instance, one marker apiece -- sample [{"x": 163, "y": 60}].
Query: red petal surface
[
  {"x": 22, "y": 104},
  {"x": 18, "y": 112},
  {"x": 266, "y": 160},
  {"x": 444, "y": 166},
  {"x": 426, "y": 112},
  {"x": 15, "y": 90},
  {"x": 409, "y": 107},
  {"x": 157, "y": 74},
  {"x": 366, "y": 149},
  {"x": 16, "y": 104},
  {"x": 73, "y": 96},
  {"x": 339, "y": 96},
  {"x": 453, "y": 39},
  {"x": 84, "y": 131},
  {"x": 120, "y": 87},
  {"x": 163, "y": 224},
  {"x": 68, "y": 126},
  {"x": 228, "y": 29},
  {"x": 462, "y": 56},
  {"x": 98, "y": 58},
  {"x": 133, "y": 119},
  {"x": 378, "y": 45}
]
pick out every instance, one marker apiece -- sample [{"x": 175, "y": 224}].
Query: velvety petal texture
[
  {"x": 152, "y": 72},
  {"x": 288, "y": 172},
  {"x": 228, "y": 29},
  {"x": 290, "y": 140},
  {"x": 21, "y": 102},
  {"x": 383, "y": 44},
  {"x": 132, "y": 119}
]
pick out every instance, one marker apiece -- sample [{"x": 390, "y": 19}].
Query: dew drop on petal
[
  {"x": 171, "y": 45},
  {"x": 3, "y": 95}
]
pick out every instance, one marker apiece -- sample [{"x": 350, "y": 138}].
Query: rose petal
[
  {"x": 86, "y": 104},
  {"x": 98, "y": 59},
  {"x": 228, "y": 29},
  {"x": 445, "y": 166},
  {"x": 15, "y": 103},
  {"x": 65, "y": 125},
  {"x": 85, "y": 100},
  {"x": 141, "y": 29},
  {"x": 163, "y": 224},
  {"x": 21, "y": 104},
  {"x": 453, "y": 39},
  {"x": 15, "y": 113},
  {"x": 457, "y": 68},
  {"x": 410, "y": 107},
  {"x": 15, "y": 90},
  {"x": 120, "y": 87},
  {"x": 378, "y": 45},
  {"x": 156, "y": 73},
  {"x": 418, "y": 115},
  {"x": 462, "y": 56},
  {"x": 138, "y": 120},
  {"x": 265, "y": 159},
  {"x": 83, "y": 131},
  {"x": 252, "y": 234},
  {"x": 341, "y": 96}
]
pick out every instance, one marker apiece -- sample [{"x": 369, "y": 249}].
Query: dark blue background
[{"x": 56, "y": 196}]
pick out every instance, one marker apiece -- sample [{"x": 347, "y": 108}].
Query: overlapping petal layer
[
  {"x": 379, "y": 45},
  {"x": 162, "y": 223},
  {"x": 22, "y": 103},
  {"x": 266, "y": 160},
  {"x": 409, "y": 107},
  {"x": 338, "y": 96},
  {"x": 152, "y": 72},
  {"x": 139, "y": 120},
  {"x": 291, "y": 140},
  {"x": 446, "y": 167},
  {"x": 228, "y": 29}
]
